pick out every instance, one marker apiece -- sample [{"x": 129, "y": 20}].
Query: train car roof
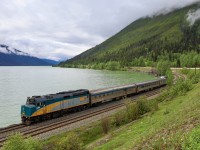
[
  {"x": 59, "y": 95},
  {"x": 109, "y": 89},
  {"x": 140, "y": 83},
  {"x": 98, "y": 91}
]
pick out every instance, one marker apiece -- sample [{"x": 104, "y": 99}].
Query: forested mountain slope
[{"x": 167, "y": 35}]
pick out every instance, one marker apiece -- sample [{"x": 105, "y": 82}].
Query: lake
[{"x": 18, "y": 83}]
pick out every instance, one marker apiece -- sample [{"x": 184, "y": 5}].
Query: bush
[
  {"x": 194, "y": 77},
  {"x": 192, "y": 141},
  {"x": 185, "y": 71},
  {"x": 105, "y": 123},
  {"x": 113, "y": 65},
  {"x": 164, "y": 95},
  {"x": 18, "y": 142},
  {"x": 170, "y": 77},
  {"x": 163, "y": 67},
  {"x": 140, "y": 107},
  {"x": 120, "y": 118},
  {"x": 33, "y": 144},
  {"x": 71, "y": 142},
  {"x": 166, "y": 111},
  {"x": 143, "y": 106},
  {"x": 153, "y": 105},
  {"x": 181, "y": 87},
  {"x": 132, "y": 111}
]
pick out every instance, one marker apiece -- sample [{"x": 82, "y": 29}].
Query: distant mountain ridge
[
  {"x": 53, "y": 62},
  {"x": 8, "y": 50},
  {"x": 13, "y": 57},
  {"x": 177, "y": 31}
]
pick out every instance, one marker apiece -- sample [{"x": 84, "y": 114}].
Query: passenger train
[{"x": 39, "y": 108}]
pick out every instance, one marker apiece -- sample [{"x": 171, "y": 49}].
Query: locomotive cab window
[
  {"x": 40, "y": 104},
  {"x": 30, "y": 101}
]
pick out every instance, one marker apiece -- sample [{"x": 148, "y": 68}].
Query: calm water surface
[{"x": 17, "y": 83}]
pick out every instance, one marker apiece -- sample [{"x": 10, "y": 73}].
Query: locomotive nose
[
  {"x": 27, "y": 110},
  {"x": 23, "y": 112}
]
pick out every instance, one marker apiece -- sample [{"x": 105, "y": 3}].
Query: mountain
[
  {"x": 52, "y": 62},
  {"x": 13, "y": 57},
  {"x": 177, "y": 31}
]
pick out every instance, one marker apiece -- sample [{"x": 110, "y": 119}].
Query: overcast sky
[{"x": 59, "y": 29}]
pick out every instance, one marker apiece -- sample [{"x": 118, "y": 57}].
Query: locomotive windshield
[{"x": 30, "y": 101}]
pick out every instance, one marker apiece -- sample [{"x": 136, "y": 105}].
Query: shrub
[
  {"x": 101, "y": 66},
  {"x": 185, "y": 71},
  {"x": 71, "y": 142},
  {"x": 15, "y": 142},
  {"x": 143, "y": 106},
  {"x": 105, "y": 123},
  {"x": 170, "y": 77},
  {"x": 163, "y": 67},
  {"x": 140, "y": 107},
  {"x": 113, "y": 65},
  {"x": 33, "y": 144},
  {"x": 194, "y": 77},
  {"x": 153, "y": 105},
  {"x": 132, "y": 111},
  {"x": 18, "y": 142},
  {"x": 181, "y": 87},
  {"x": 164, "y": 95},
  {"x": 120, "y": 118},
  {"x": 192, "y": 141},
  {"x": 166, "y": 112}
]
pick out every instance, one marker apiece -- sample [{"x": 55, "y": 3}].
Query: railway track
[
  {"x": 42, "y": 129},
  {"x": 45, "y": 127},
  {"x": 178, "y": 76},
  {"x": 11, "y": 128}
]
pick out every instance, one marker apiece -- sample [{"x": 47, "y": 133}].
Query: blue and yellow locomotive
[{"x": 39, "y": 108}]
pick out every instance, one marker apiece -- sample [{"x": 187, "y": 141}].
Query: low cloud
[{"x": 193, "y": 16}]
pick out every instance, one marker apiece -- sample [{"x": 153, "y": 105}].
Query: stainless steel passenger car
[
  {"x": 146, "y": 86},
  {"x": 106, "y": 94}
]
